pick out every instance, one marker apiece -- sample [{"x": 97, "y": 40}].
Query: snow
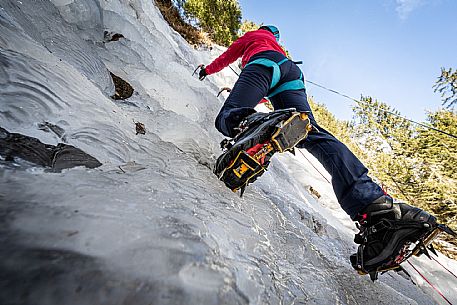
[{"x": 153, "y": 224}]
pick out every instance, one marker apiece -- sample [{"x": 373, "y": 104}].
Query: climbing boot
[
  {"x": 390, "y": 233},
  {"x": 247, "y": 156}
]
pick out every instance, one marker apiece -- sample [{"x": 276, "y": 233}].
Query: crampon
[
  {"x": 247, "y": 156},
  {"x": 406, "y": 239}
]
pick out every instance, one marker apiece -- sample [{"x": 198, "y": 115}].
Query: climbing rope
[
  {"x": 423, "y": 276},
  {"x": 387, "y": 111},
  {"x": 404, "y": 118},
  {"x": 237, "y": 74},
  {"x": 428, "y": 282},
  {"x": 361, "y": 102},
  {"x": 314, "y": 166},
  {"x": 443, "y": 266}
]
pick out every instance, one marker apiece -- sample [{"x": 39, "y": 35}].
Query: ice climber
[{"x": 386, "y": 226}]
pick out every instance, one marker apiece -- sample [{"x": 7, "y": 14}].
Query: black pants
[{"x": 351, "y": 184}]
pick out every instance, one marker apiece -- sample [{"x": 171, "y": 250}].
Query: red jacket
[{"x": 247, "y": 45}]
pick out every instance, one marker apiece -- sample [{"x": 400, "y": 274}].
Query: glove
[{"x": 202, "y": 74}]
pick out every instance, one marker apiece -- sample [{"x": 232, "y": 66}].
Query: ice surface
[{"x": 153, "y": 225}]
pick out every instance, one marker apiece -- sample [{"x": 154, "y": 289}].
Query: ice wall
[{"x": 153, "y": 225}]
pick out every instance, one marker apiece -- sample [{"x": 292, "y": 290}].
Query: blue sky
[{"x": 392, "y": 50}]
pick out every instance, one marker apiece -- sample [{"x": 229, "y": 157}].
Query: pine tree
[
  {"x": 417, "y": 164},
  {"x": 248, "y": 26},
  {"x": 446, "y": 85},
  {"x": 388, "y": 142},
  {"x": 438, "y": 156},
  {"x": 221, "y": 19}
]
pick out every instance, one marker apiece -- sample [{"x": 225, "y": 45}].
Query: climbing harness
[{"x": 275, "y": 89}]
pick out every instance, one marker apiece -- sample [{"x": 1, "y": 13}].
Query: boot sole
[
  {"x": 291, "y": 132},
  {"x": 246, "y": 169},
  {"x": 386, "y": 261}
]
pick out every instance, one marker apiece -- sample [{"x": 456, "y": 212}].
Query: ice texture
[{"x": 153, "y": 225}]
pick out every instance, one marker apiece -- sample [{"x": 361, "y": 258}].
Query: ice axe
[
  {"x": 198, "y": 67},
  {"x": 201, "y": 66},
  {"x": 224, "y": 89}
]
